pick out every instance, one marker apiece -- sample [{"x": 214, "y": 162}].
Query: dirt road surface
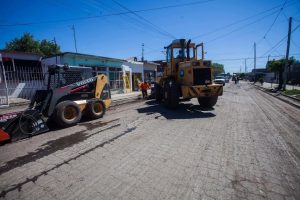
[{"x": 247, "y": 147}]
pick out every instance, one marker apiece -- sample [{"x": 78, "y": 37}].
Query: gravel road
[{"x": 247, "y": 147}]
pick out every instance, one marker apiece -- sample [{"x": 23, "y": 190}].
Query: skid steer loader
[
  {"x": 72, "y": 92},
  {"x": 186, "y": 77}
]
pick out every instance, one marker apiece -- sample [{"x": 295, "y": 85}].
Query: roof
[
  {"x": 261, "y": 70},
  {"x": 85, "y": 55},
  {"x": 19, "y": 52},
  {"x": 21, "y": 55},
  {"x": 150, "y": 62}
]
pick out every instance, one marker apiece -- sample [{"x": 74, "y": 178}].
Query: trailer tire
[
  {"x": 67, "y": 113},
  {"x": 95, "y": 109},
  {"x": 171, "y": 94},
  {"x": 208, "y": 102}
]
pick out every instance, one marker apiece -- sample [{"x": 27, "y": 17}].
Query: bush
[{"x": 261, "y": 80}]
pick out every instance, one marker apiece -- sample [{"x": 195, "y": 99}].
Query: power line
[
  {"x": 275, "y": 19},
  {"x": 160, "y": 30},
  {"x": 240, "y": 28},
  {"x": 139, "y": 24},
  {"x": 294, "y": 43},
  {"x": 251, "y": 58},
  {"x": 269, "y": 43},
  {"x": 106, "y": 15},
  {"x": 280, "y": 41},
  {"x": 239, "y": 21}
]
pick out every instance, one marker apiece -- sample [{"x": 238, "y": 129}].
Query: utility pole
[
  {"x": 54, "y": 40},
  {"x": 245, "y": 65},
  {"x": 254, "y": 61},
  {"x": 73, "y": 28},
  {"x": 287, "y": 55},
  {"x": 142, "y": 51}
]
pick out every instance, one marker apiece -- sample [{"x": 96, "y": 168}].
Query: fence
[{"x": 19, "y": 82}]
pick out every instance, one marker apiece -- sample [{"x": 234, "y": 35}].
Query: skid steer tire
[
  {"x": 171, "y": 94},
  {"x": 158, "y": 96},
  {"x": 207, "y": 102},
  {"x": 67, "y": 113},
  {"x": 94, "y": 109}
]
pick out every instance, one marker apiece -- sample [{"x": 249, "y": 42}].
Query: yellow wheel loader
[
  {"x": 72, "y": 93},
  {"x": 185, "y": 77}
]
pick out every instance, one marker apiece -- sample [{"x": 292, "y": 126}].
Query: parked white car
[{"x": 220, "y": 80}]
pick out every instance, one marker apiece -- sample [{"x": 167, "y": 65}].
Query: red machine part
[{"x": 4, "y": 136}]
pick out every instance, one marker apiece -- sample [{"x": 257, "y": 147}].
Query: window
[
  {"x": 178, "y": 53},
  {"x": 101, "y": 68},
  {"x": 191, "y": 52},
  {"x": 168, "y": 55}
]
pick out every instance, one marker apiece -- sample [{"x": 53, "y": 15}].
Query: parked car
[{"x": 220, "y": 80}]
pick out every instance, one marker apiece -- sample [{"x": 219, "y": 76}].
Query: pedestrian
[{"x": 144, "y": 87}]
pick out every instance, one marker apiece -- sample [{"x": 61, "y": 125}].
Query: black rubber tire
[
  {"x": 62, "y": 109},
  {"x": 158, "y": 95},
  {"x": 94, "y": 112},
  {"x": 208, "y": 102},
  {"x": 171, "y": 94}
]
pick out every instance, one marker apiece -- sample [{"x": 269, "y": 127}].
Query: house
[
  {"x": 124, "y": 75},
  {"x": 150, "y": 70},
  {"x": 263, "y": 72},
  {"x": 114, "y": 68},
  {"x": 20, "y": 74},
  {"x": 293, "y": 75}
]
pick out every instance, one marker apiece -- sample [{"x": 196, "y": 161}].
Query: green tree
[
  {"x": 27, "y": 43},
  {"x": 49, "y": 48},
  {"x": 217, "y": 68},
  {"x": 277, "y": 66}
]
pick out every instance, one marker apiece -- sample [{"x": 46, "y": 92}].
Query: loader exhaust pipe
[{"x": 188, "y": 49}]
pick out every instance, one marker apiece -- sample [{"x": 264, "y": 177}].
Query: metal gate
[{"x": 19, "y": 83}]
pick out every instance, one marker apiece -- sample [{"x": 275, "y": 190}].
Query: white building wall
[
  {"x": 136, "y": 67},
  {"x": 49, "y": 61}
]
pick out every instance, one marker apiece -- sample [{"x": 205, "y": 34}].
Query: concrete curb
[{"x": 277, "y": 95}]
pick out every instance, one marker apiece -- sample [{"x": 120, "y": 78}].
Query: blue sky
[{"x": 228, "y": 28}]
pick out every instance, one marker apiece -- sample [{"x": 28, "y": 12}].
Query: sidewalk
[
  {"x": 274, "y": 85},
  {"x": 18, "y": 104},
  {"x": 266, "y": 87}
]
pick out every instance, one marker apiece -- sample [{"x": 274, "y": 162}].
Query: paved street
[{"x": 248, "y": 147}]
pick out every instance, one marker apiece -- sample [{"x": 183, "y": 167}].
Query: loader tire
[
  {"x": 171, "y": 94},
  {"x": 158, "y": 96},
  {"x": 95, "y": 109},
  {"x": 67, "y": 113},
  {"x": 208, "y": 102}
]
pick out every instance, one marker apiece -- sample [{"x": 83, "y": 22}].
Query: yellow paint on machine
[
  {"x": 202, "y": 91},
  {"x": 101, "y": 81}
]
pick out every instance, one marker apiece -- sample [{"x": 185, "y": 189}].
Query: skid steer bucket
[{"x": 25, "y": 124}]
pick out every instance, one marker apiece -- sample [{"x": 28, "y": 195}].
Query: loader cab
[
  {"x": 180, "y": 52},
  {"x": 62, "y": 75},
  {"x": 184, "y": 66}
]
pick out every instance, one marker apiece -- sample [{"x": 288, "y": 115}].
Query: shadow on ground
[
  {"x": 184, "y": 111},
  {"x": 55, "y": 145}
]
